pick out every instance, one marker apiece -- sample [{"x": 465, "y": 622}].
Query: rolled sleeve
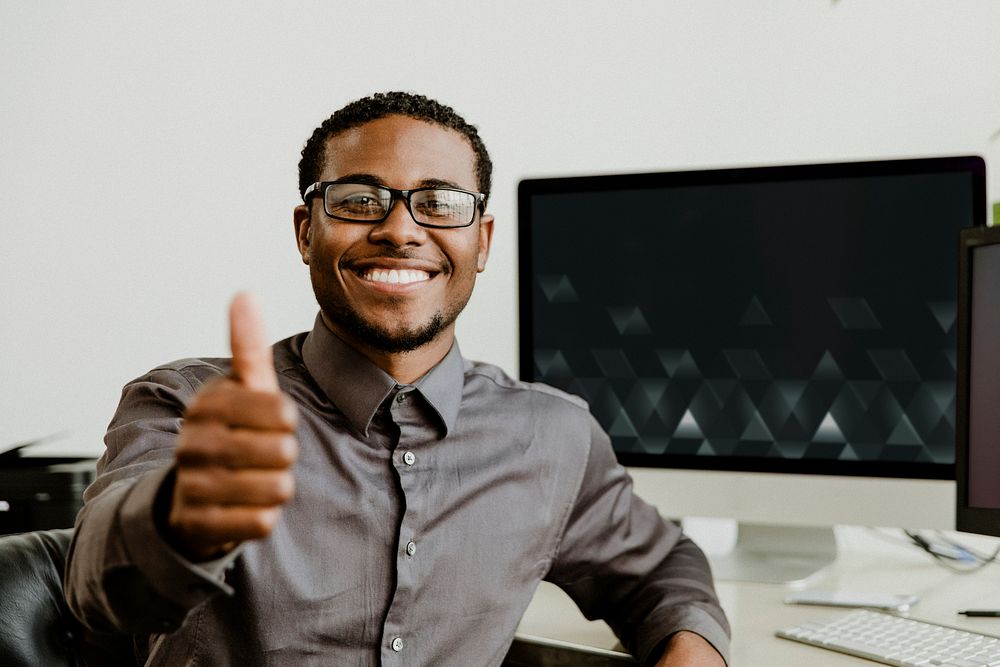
[
  {"x": 623, "y": 563},
  {"x": 171, "y": 575}
]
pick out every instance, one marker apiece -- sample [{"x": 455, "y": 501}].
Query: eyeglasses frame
[{"x": 320, "y": 187}]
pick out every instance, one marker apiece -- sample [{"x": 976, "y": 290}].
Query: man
[{"x": 361, "y": 494}]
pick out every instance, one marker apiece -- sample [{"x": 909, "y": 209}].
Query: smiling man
[
  {"x": 361, "y": 494},
  {"x": 393, "y": 283}
]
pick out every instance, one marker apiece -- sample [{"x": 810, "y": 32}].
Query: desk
[{"x": 867, "y": 561}]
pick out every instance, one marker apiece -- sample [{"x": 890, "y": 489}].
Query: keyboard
[{"x": 893, "y": 640}]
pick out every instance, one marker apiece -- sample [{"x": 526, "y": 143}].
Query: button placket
[{"x": 410, "y": 418}]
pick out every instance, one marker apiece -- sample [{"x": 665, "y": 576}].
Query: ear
[
  {"x": 485, "y": 238},
  {"x": 303, "y": 230}
]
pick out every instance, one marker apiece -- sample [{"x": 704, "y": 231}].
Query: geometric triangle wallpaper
[{"x": 796, "y": 322}]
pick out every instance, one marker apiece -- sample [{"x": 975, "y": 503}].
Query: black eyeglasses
[{"x": 429, "y": 207}]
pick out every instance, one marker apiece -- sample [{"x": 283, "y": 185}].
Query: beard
[
  {"x": 377, "y": 335},
  {"x": 382, "y": 336}
]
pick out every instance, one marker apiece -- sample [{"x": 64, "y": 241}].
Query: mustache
[{"x": 400, "y": 257}]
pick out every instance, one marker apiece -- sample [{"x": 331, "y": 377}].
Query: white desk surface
[{"x": 867, "y": 562}]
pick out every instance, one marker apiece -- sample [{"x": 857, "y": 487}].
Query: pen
[{"x": 980, "y": 612}]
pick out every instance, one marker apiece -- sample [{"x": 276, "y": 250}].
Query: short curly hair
[{"x": 381, "y": 105}]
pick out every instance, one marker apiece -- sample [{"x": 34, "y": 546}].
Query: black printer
[{"x": 38, "y": 493}]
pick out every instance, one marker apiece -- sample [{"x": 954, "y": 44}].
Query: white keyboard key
[{"x": 902, "y": 642}]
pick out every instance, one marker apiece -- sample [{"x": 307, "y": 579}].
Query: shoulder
[
  {"x": 555, "y": 429},
  {"x": 192, "y": 372},
  {"x": 539, "y": 402},
  {"x": 478, "y": 372}
]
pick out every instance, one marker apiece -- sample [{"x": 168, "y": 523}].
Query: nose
[{"x": 399, "y": 228}]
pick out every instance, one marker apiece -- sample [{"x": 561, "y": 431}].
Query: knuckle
[
  {"x": 287, "y": 451},
  {"x": 284, "y": 488},
  {"x": 200, "y": 441},
  {"x": 191, "y": 487},
  {"x": 210, "y": 396},
  {"x": 183, "y": 484},
  {"x": 288, "y": 411},
  {"x": 263, "y": 521}
]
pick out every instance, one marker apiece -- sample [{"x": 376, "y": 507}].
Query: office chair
[{"x": 36, "y": 626}]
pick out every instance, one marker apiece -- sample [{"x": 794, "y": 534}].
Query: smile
[{"x": 395, "y": 276}]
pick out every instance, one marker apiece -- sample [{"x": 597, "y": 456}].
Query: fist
[{"x": 236, "y": 449}]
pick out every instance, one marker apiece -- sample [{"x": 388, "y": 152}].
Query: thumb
[{"x": 253, "y": 365}]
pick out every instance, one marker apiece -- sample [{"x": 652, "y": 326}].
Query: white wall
[{"x": 148, "y": 151}]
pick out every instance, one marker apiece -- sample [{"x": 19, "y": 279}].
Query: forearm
[
  {"x": 687, "y": 649},
  {"x": 121, "y": 575},
  {"x": 95, "y": 590}
]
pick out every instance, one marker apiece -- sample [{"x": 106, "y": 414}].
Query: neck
[{"x": 403, "y": 367}]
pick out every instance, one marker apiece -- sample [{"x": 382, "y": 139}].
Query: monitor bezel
[
  {"x": 982, "y": 520},
  {"x": 530, "y": 187}
]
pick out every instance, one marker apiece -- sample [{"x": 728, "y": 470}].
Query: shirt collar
[
  {"x": 358, "y": 387},
  {"x": 443, "y": 386}
]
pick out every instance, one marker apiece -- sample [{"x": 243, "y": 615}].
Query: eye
[
  {"x": 440, "y": 203},
  {"x": 351, "y": 200},
  {"x": 359, "y": 202}
]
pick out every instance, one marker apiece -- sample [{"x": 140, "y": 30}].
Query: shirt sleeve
[
  {"x": 121, "y": 575},
  {"x": 623, "y": 563}
]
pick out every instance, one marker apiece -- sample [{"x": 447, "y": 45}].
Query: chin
[{"x": 393, "y": 339}]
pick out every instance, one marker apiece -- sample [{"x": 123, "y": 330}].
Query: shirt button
[
  {"x": 411, "y": 548},
  {"x": 409, "y": 459},
  {"x": 400, "y": 397},
  {"x": 397, "y": 644}
]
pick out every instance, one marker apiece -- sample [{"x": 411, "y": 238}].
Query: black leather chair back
[{"x": 36, "y": 626}]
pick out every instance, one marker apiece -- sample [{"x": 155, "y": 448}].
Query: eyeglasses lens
[
  {"x": 357, "y": 202},
  {"x": 444, "y": 208}
]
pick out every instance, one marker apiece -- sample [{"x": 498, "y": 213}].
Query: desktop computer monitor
[
  {"x": 774, "y": 345},
  {"x": 977, "y": 427}
]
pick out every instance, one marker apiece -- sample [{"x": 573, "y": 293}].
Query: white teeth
[{"x": 395, "y": 276}]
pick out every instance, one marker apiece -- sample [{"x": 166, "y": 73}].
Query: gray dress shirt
[{"x": 424, "y": 517}]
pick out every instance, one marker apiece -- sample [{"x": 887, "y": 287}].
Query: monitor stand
[{"x": 774, "y": 554}]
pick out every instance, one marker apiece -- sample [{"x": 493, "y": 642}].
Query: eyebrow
[{"x": 371, "y": 179}]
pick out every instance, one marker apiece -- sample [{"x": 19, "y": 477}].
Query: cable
[
  {"x": 945, "y": 554},
  {"x": 948, "y": 552},
  {"x": 978, "y": 554}
]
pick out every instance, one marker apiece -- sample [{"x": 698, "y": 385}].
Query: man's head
[
  {"x": 391, "y": 286},
  {"x": 381, "y": 105}
]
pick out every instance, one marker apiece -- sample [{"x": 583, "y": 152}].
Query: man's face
[{"x": 394, "y": 286}]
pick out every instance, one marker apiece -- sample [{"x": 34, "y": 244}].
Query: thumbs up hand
[
  {"x": 253, "y": 365},
  {"x": 236, "y": 449}
]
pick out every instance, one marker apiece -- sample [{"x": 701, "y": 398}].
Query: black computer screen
[
  {"x": 977, "y": 413},
  {"x": 984, "y": 378},
  {"x": 791, "y": 319}
]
